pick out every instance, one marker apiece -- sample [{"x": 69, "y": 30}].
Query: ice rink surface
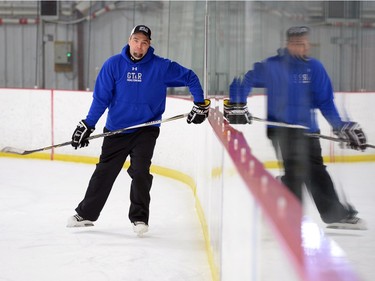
[
  {"x": 38, "y": 196},
  {"x": 355, "y": 183}
]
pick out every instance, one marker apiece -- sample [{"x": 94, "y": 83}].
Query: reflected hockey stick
[
  {"x": 279, "y": 124},
  {"x": 19, "y": 151},
  {"x": 314, "y": 135},
  {"x": 333, "y": 139}
]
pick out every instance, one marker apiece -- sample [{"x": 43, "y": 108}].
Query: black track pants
[
  {"x": 115, "y": 150},
  {"x": 303, "y": 164}
]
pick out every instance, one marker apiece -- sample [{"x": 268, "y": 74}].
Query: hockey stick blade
[
  {"x": 333, "y": 139},
  {"x": 19, "y": 151},
  {"x": 279, "y": 124}
]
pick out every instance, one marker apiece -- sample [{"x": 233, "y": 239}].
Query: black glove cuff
[
  {"x": 204, "y": 104},
  {"x": 91, "y": 129}
]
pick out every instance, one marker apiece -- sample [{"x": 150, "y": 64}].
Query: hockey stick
[
  {"x": 333, "y": 139},
  {"x": 19, "y": 151},
  {"x": 279, "y": 124},
  {"x": 314, "y": 135}
]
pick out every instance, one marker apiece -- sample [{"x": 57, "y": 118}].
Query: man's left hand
[
  {"x": 237, "y": 113},
  {"x": 199, "y": 112}
]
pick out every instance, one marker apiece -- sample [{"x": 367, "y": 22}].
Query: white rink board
[{"x": 27, "y": 122}]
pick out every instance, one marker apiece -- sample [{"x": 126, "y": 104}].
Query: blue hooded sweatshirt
[
  {"x": 135, "y": 92},
  {"x": 295, "y": 88}
]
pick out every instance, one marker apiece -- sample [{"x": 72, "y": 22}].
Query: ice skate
[
  {"x": 140, "y": 228},
  {"x": 78, "y": 221},
  {"x": 351, "y": 222}
]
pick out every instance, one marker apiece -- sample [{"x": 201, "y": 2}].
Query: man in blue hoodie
[
  {"x": 133, "y": 87},
  {"x": 296, "y": 86}
]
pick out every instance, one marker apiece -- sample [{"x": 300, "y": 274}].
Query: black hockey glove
[
  {"x": 199, "y": 112},
  {"x": 352, "y": 134},
  {"x": 80, "y": 135},
  {"x": 237, "y": 113}
]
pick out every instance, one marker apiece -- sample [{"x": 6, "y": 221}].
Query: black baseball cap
[
  {"x": 297, "y": 31},
  {"x": 142, "y": 28}
]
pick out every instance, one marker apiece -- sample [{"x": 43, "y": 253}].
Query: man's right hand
[
  {"x": 353, "y": 135},
  {"x": 80, "y": 135}
]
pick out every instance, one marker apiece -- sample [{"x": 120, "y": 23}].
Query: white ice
[
  {"x": 355, "y": 183},
  {"x": 37, "y": 197}
]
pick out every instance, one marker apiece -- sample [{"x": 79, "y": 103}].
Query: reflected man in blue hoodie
[{"x": 296, "y": 86}]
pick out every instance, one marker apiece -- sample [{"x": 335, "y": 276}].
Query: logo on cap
[
  {"x": 297, "y": 31},
  {"x": 142, "y": 28}
]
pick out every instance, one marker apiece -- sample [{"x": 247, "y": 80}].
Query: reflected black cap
[
  {"x": 142, "y": 28},
  {"x": 297, "y": 31}
]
